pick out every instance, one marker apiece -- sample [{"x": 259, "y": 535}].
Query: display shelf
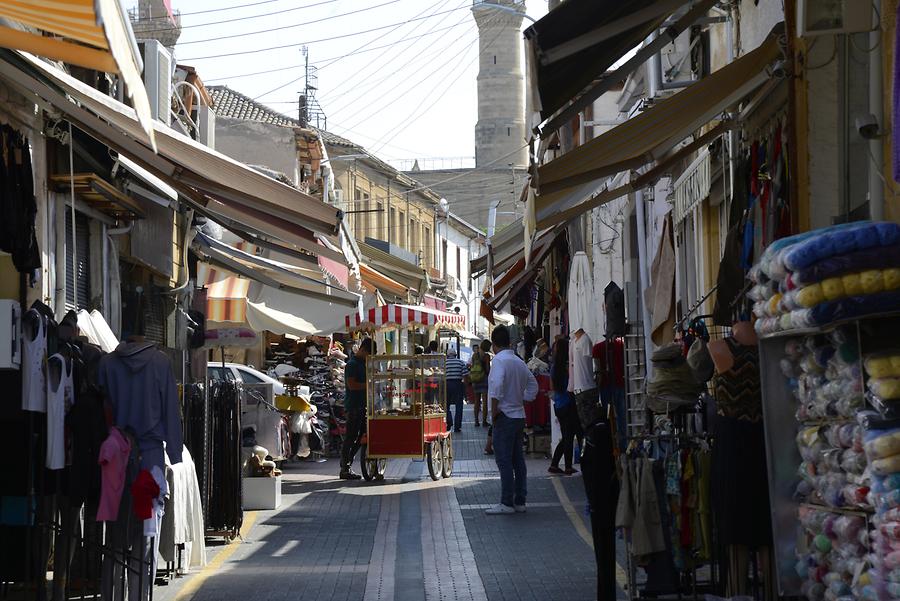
[{"x": 865, "y": 512}]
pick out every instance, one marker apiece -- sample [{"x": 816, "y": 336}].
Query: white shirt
[
  {"x": 581, "y": 364},
  {"x": 511, "y": 383}
]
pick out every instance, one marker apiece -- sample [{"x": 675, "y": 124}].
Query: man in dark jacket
[{"x": 355, "y": 405}]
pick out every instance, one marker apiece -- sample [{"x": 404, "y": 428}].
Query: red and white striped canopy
[{"x": 394, "y": 316}]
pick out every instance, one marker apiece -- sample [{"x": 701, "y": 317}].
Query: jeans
[
  {"x": 356, "y": 425},
  {"x": 571, "y": 429},
  {"x": 510, "y": 457},
  {"x": 455, "y": 399}
]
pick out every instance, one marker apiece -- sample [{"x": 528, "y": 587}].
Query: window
[
  {"x": 458, "y": 265},
  {"x": 250, "y": 377},
  {"x": 379, "y": 221},
  {"x": 392, "y": 227},
  {"x": 429, "y": 248},
  {"x": 414, "y": 236},
  {"x": 444, "y": 257},
  {"x": 507, "y": 132},
  {"x": 220, "y": 373},
  {"x": 78, "y": 283},
  {"x": 402, "y": 240},
  {"x": 495, "y": 59}
]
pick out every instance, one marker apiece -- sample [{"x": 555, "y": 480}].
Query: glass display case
[{"x": 407, "y": 402}]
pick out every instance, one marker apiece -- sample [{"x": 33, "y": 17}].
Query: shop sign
[{"x": 692, "y": 187}]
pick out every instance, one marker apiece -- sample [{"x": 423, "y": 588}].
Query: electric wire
[
  {"x": 350, "y": 79},
  {"x": 308, "y": 42},
  {"x": 329, "y": 63},
  {"x": 430, "y": 74},
  {"x": 283, "y": 27},
  {"x": 234, "y": 20},
  {"x": 364, "y": 90}
]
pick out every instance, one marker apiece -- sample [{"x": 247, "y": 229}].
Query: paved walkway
[{"x": 406, "y": 539}]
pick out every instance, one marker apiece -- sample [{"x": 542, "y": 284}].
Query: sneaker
[
  {"x": 477, "y": 424},
  {"x": 350, "y": 475},
  {"x": 519, "y": 508},
  {"x": 500, "y": 509},
  {"x": 555, "y": 470},
  {"x": 570, "y": 470}
]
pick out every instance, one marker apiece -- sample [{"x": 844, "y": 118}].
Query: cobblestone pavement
[{"x": 406, "y": 539}]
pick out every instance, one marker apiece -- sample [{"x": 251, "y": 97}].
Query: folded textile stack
[
  {"x": 816, "y": 278},
  {"x": 674, "y": 384},
  {"x": 883, "y": 383},
  {"x": 882, "y": 446},
  {"x": 836, "y": 555}
]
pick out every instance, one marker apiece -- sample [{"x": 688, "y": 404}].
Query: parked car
[{"x": 242, "y": 373}]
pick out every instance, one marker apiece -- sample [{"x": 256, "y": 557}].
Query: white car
[{"x": 242, "y": 373}]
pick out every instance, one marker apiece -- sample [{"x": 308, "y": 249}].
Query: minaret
[{"x": 500, "y": 129}]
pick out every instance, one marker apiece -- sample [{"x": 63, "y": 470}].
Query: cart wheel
[
  {"x": 434, "y": 459},
  {"x": 447, "y": 451},
  {"x": 372, "y": 469}
]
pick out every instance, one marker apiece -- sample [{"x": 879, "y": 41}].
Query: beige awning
[
  {"x": 190, "y": 167},
  {"x": 94, "y": 34},
  {"x": 652, "y": 134}
]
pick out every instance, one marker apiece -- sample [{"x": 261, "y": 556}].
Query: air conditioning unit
[
  {"x": 206, "y": 124},
  {"x": 820, "y": 17},
  {"x": 158, "y": 70}
]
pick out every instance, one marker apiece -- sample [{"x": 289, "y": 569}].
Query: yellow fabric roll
[
  {"x": 872, "y": 281},
  {"x": 810, "y": 296},
  {"x": 833, "y": 289},
  {"x": 852, "y": 284},
  {"x": 891, "y": 278}
]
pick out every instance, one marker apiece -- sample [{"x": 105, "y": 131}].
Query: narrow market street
[{"x": 407, "y": 538}]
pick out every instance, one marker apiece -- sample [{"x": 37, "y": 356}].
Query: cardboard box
[{"x": 261, "y": 493}]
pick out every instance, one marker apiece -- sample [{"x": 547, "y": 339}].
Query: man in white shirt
[{"x": 510, "y": 384}]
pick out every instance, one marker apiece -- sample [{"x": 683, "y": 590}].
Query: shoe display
[
  {"x": 500, "y": 509},
  {"x": 519, "y": 508}
]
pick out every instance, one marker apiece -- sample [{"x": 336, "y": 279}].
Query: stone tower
[
  {"x": 500, "y": 129},
  {"x": 156, "y": 20}
]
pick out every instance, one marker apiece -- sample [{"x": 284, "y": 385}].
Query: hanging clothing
[
  {"x": 114, "y": 454},
  {"x": 614, "y": 303},
  {"x": 739, "y": 453},
  {"x": 34, "y": 346},
  {"x": 601, "y": 485},
  {"x": 60, "y": 396},
  {"x": 18, "y": 208},
  {"x": 659, "y": 296}
]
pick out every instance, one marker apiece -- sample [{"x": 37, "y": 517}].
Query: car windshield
[{"x": 250, "y": 377}]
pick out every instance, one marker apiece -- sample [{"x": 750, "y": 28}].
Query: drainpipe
[
  {"x": 876, "y": 108},
  {"x": 644, "y": 278},
  {"x": 654, "y": 70}
]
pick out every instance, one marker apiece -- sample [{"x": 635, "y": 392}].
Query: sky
[{"x": 396, "y": 76}]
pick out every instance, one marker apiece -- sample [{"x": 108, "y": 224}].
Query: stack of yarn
[{"x": 816, "y": 278}]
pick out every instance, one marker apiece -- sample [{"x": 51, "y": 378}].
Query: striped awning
[
  {"x": 94, "y": 34},
  {"x": 651, "y": 135},
  {"x": 226, "y": 294},
  {"x": 403, "y": 316}
]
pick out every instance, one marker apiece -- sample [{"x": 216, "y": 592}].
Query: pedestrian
[
  {"x": 510, "y": 384},
  {"x": 479, "y": 368},
  {"x": 355, "y": 405},
  {"x": 455, "y": 370},
  {"x": 433, "y": 347},
  {"x": 563, "y": 408}
]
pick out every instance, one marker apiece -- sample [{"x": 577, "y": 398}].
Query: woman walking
[{"x": 564, "y": 408}]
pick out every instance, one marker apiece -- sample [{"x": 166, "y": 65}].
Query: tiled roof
[
  {"x": 235, "y": 105},
  {"x": 336, "y": 140}
]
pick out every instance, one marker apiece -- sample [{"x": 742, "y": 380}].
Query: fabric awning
[
  {"x": 193, "y": 169},
  {"x": 375, "y": 280},
  {"x": 402, "y": 316},
  {"x": 95, "y": 34},
  {"x": 650, "y": 135},
  {"x": 579, "y": 40},
  {"x": 520, "y": 274},
  {"x": 408, "y": 274},
  {"x": 297, "y": 280},
  {"x": 226, "y": 294}
]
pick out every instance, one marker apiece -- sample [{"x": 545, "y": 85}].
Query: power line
[
  {"x": 270, "y": 30},
  {"x": 332, "y": 59},
  {"x": 328, "y": 64},
  {"x": 306, "y": 43},
  {"x": 245, "y": 18},
  {"x": 349, "y": 78}
]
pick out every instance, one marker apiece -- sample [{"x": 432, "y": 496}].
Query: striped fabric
[
  {"x": 394, "y": 316},
  {"x": 455, "y": 368},
  {"x": 226, "y": 294}
]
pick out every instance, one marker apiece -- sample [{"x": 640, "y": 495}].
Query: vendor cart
[{"x": 407, "y": 414}]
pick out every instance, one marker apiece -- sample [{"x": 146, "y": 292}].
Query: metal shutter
[{"x": 78, "y": 283}]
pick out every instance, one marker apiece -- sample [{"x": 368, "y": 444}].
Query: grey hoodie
[{"x": 142, "y": 393}]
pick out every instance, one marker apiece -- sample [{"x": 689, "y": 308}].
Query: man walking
[
  {"x": 455, "y": 370},
  {"x": 355, "y": 405},
  {"x": 510, "y": 384}
]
